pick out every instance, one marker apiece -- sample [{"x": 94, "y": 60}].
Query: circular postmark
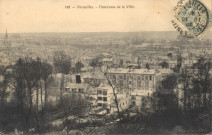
[{"x": 193, "y": 15}]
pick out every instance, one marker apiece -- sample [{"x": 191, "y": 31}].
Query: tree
[
  {"x": 165, "y": 97},
  {"x": 169, "y": 83},
  {"x": 121, "y": 62},
  {"x": 179, "y": 60},
  {"x": 176, "y": 69},
  {"x": 46, "y": 71},
  {"x": 164, "y": 64},
  {"x": 78, "y": 66},
  {"x": 37, "y": 68},
  {"x": 139, "y": 62},
  {"x": 170, "y": 55},
  {"x": 61, "y": 62},
  {"x": 113, "y": 86},
  {"x": 24, "y": 77},
  {"x": 147, "y": 66},
  {"x": 202, "y": 81},
  {"x": 3, "y": 84},
  {"x": 27, "y": 77},
  {"x": 61, "y": 86},
  {"x": 96, "y": 62},
  {"x": 185, "y": 78},
  {"x": 72, "y": 106}
]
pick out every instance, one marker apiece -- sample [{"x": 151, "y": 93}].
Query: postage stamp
[{"x": 194, "y": 16}]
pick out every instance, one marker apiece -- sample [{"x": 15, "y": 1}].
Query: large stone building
[
  {"x": 134, "y": 79},
  {"x": 139, "y": 83}
]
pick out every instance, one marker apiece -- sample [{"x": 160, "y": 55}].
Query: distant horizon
[{"x": 89, "y": 32}]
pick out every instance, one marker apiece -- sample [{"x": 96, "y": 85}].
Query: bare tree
[
  {"x": 46, "y": 71},
  {"x": 105, "y": 74},
  {"x": 4, "y": 83},
  {"x": 184, "y": 77}
]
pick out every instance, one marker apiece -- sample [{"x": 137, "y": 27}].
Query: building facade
[{"x": 133, "y": 79}]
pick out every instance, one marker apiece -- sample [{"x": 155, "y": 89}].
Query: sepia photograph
[{"x": 105, "y": 67}]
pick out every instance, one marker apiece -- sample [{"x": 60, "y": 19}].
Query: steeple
[{"x": 6, "y": 35}]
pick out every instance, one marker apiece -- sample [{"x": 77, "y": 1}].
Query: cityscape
[{"x": 105, "y": 83}]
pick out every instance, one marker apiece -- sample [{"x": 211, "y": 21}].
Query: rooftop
[
  {"x": 132, "y": 71},
  {"x": 107, "y": 59},
  {"x": 94, "y": 75},
  {"x": 105, "y": 86},
  {"x": 77, "y": 85}
]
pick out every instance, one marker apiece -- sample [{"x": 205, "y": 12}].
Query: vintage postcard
[{"x": 97, "y": 67}]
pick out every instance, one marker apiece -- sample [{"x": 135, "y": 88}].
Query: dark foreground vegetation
[{"x": 181, "y": 104}]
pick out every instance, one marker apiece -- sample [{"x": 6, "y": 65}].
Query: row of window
[
  {"x": 101, "y": 105},
  {"x": 102, "y": 98},
  {"x": 121, "y": 77},
  {"x": 75, "y": 90},
  {"x": 100, "y": 92},
  {"x": 104, "y": 105},
  {"x": 88, "y": 80},
  {"x": 139, "y": 83}
]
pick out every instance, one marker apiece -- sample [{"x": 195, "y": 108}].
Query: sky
[{"x": 19, "y": 16}]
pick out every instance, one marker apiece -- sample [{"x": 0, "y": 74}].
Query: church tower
[
  {"x": 6, "y": 39},
  {"x": 7, "y": 43},
  {"x": 6, "y": 35}
]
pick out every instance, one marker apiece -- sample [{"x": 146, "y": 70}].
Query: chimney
[{"x": 78, "y": 79}]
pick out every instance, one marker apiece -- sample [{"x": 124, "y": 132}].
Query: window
[
  {"x": 146, "y": 78},
  {"x": 104, "y": 98},
  {"x": 78, "y": 79},
  {"x": 99, "y": 92},
  {"x": 80, "y": 90},
  {"x": 139, "y": 83},
  {"x": 113, "y": 81},
  {"x": 99, "y": 104},
  {"x": 133, "y": 102},
  {"x": 104, "y": 92},
  {"x": 138, "y": 78},
  {"x": 150, "y": 78},
  {"x": 104, "y": 105},
  {"x": 99, "y": 98},
  {"x": 146, "y": 84},
  {"x": 91, "y": 98},
  {"x": 133, "y": 97},
  {"x": 120, "y": 77},
  {"x": 86, "y": 80},
  {"x": 73, "y": 90},
  {"x": 79, "y": 96},
  {"x": 123, "y": 103},
  {"x": 121, "y": 83}
]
